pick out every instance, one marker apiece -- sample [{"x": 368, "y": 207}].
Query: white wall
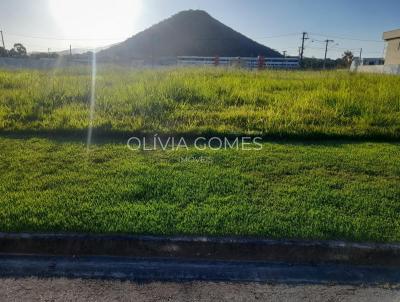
[{"x": 386, "y": 69}]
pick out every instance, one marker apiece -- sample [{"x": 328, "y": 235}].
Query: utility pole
[
  {"x": 305, "y": 37},
  {"x": 284, "y": 56},
  {"x": 326, "y": 50},
  {"x": 70, "y": 50},
  {"x": 2, "y": 39},
  {"x": 360, "y": 54}
]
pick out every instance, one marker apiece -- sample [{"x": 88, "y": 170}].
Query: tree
[
  {"x": 316, "y": 64},
  {"x": 347, "y": 58},
  {"x": 19, "y": 50},
  {"x": 3, "y": 52}
]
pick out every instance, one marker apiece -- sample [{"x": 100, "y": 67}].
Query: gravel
[{"x": 34, "y": 289}]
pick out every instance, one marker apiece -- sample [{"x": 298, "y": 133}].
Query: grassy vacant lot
[
  {"x": 303, "y": 104},
  {"x": 328, "y": 189},
  {"x": 334, "y": 190}
]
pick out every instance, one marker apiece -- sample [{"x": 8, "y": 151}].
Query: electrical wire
[
  {"x": 346, "y": 38},
  {"x": 311, "y": 40}
]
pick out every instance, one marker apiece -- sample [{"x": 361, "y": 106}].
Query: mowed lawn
[{"x": 320, "y": 190}]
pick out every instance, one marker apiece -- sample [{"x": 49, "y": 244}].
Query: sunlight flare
[
  {"x": 96, "y": 19},
  {"x": 92, "y": 100}
]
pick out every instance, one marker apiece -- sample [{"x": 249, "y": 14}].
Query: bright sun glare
[{"x": 96, "y": 19}]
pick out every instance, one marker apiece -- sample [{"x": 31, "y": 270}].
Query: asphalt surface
[
  {"x": 49, "y": 278},
  {"x": 61, "y": 289},
  {"x": 121, "y": 268}
]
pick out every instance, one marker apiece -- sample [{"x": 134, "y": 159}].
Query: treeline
[
  {"x": 343, "y": 62},
  {"x": 19, "y": 51},
  {"x": 314, "y": 63}
]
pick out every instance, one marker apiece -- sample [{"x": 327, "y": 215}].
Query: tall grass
[{"x": 276, "y": 103}]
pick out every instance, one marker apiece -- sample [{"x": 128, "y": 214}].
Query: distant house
[{"x": 393, "y": 47}]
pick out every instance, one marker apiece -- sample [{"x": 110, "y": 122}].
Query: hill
[{"x": 188, "y": 33}]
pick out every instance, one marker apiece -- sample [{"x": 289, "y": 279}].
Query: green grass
[
  {"x": 218, "y": 101},
  {"x": 335, "y": 190},
  {"x": 328, "y": 189}
]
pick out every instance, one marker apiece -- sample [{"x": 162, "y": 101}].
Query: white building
[
  {"x": 392, "y": 39},
  {"x": 246, "y": 62}
]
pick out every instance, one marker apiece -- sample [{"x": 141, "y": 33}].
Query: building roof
[{"x": 393, "y": 34}]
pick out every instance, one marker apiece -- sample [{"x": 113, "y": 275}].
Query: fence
[
  {"x": 245, "y": 62},
  {"x": 248, "y": 62},
  {"x": 387, "y": 69},
  {"x": 43, "y": 63}
]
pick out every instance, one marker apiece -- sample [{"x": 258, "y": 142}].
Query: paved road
[{"x": 33, "y": 289}]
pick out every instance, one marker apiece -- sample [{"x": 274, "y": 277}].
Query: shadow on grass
[{"x": 101, "y": 136}]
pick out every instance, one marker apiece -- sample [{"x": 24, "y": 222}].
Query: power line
[
  {"x": 338, "y": 49},
  {"x": 65, "y": 39},
  {"x": 278, "y": 36},
  {"x": 122, "y": 38},
  {"x": 258, "y": 37},
  {"x": 346, "y": 38},
  {"x": 341, "y": 49},
  {"x": 344, "y": 48},
  {"x": 305, "y": 36}
]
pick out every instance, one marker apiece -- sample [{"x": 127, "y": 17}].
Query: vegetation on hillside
[{"x": 187, "y": 33}]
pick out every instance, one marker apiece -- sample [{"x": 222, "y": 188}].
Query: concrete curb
[
  {"x": 148, "y": 270},
  {"x": 201, "y": 248}
]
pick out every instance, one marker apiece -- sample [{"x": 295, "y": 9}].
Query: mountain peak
[
  {"x": 188, "y": 33},
  {"x": 191, "y": 12}
]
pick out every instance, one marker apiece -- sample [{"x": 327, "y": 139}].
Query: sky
[{"x": 55, "y": 24}]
